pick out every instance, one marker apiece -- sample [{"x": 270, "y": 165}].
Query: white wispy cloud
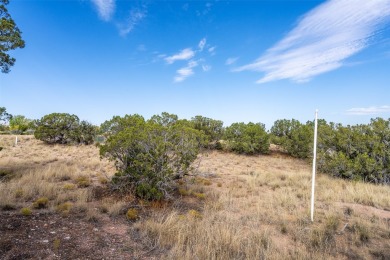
[
  {"x": 206, "y": 67},
  {"x": 374, "y": 110},
  {"x": 323, "y": 39},
  {"x": 231, "y": 61},
  {"x": 206, "y": 10},
  {"x": 105, "y": 8},
  {"x": 212, "y": 50},
  {"x": 136, "y": 15},
  {"x": 195, "y": 56},
  {"x": 185, "y": 72},
  {"x": 185, "y": 54},
  {"x": 201, "y": 44}
]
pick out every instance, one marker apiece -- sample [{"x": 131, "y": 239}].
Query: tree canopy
[
  {"x": 4, "y": 116},
  {"x": 10, "y": 38},
  {"x": 63, "y": 128},
  {"x": 248, "y": 138},
  {"x": 150, "y": 154},
  {"x": 19, "y": 123}
]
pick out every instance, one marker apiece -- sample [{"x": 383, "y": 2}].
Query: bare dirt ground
[{"x": 48, "y": 236}]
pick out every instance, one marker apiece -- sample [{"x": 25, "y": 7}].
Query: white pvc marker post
[
  {"x": 16, "y": 140},
  {"x": 314, "y": 167}
]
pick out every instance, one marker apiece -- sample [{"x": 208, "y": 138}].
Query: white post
[
  {"x": 16, "y": 140},
  {"x": 314, "y": 167}
]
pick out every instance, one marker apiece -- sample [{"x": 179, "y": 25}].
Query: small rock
[
  {"x": 52, "y": 232},
  {"x": 67, "y": 238},
  {"x": 45, "y": 241},
  {"x": 95, "y": 229}
]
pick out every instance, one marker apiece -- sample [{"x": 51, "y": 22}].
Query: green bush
[
  {"x": 300, "y": 143},
  {"x": 360, "y": 152},
  {"x": 295, "y": 138},
  {"x": 213, "y": 130},
  {"x": 85, "y": 133},
  {"x": 282, "y": 130},
  {"x": 63, "y": 128},
  {"x": 149, "y": 191},
  {"x": 19, "y": 124},
  {"x": 118, "y": 124},
  {"x": 57, "y": 128},
  {"x": 248, "y": 138},
  {"x": 149, "y": 155},
  {"x": 165, "y": 119}
]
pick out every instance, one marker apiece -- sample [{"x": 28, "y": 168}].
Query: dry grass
[
  {"x": 238, "y": 207},
  {"x": 58, "y": 173},
  {"x": 258, "y": 209}
]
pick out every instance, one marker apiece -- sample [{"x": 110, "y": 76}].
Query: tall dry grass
[
  {"x": 35, "y": 170},
  {"x": 258, "y": 208}
]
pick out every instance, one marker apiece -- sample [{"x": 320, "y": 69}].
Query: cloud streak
[
  {"x": 136, "y": 16},
  {"x": 231, "y": 61},
  {"x": 194, "y": 56},
  {"x": 323, "y": 39},
  {"x": 212, "y": 50},
  {"x": 374, "y": 110},
  {"x": 105, "y": 8},
  {"x": 185, "y": 72},
  {"x": 201, "y": 44},
  {"x": 185, "y": 54}
]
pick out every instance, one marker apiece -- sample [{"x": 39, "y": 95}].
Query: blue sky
[{"x": 236, "y": 61}]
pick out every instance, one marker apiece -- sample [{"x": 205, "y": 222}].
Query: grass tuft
[
  {"x": 194, "y": 214},
  {"x": 83, "y": 181},
  {"x": 69, "y": 186},
  {"x": 64, "y": 208},
  {"x": 132, "y": 214},
  {"x": 26, "y": 211},
  {"x": 41, "y": 203},
  {"x": 199, "y": 195}
]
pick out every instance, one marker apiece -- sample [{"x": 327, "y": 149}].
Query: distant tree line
[
  {"x": 359, "y": 152},
  {"x": 150, "y": 154},
  {"x": 15, "y": 124}
]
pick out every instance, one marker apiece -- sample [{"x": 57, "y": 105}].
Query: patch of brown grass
[
  {"x": 42, "y": 170},
  {"x": 261, "y": 210}
]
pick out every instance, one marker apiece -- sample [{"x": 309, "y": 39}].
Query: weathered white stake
[
  {"x": 16, "y": 140},
  {"x": 314, "y": 167}
]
